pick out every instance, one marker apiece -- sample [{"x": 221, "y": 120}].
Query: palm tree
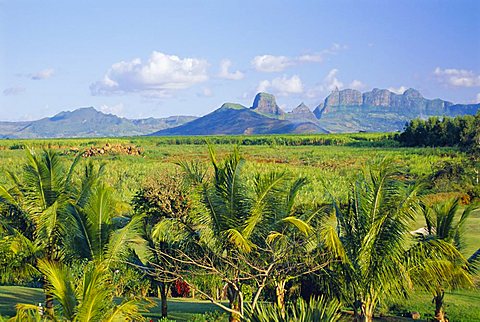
[
  {"x": 445, "y": 224},
  {"x": 284, "y": 236},
  {"x": 88, "y": 298},
  {"x": 368, "y": 238},
  {"x": 44, "y": 195},
  {"x": 68, "y": 220},
  {"x": 315, "y": 310},
  {"x": 240, "y": 216}
]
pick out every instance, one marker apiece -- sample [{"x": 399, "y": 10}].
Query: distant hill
[
  {"x": 347, "y": 110},
  {"x": 87, "y": 122},
  {"x": 237, "y": 119}
]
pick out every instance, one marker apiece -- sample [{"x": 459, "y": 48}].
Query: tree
[
  {"x": 445, "y": 224},
  {"x": 163, "y": 200},
  {"x": 87, "y": 298},
  {"x": 43, "y": 196},
  {"x": 69, "y": 220},
  {"x": 238, "y": 227},
  {"x": 368, "y": 238},
  {"x": 315, "y": 310}
]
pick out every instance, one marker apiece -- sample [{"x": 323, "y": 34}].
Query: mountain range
[
  {"x": 87, "y": 122},
  {"x": 347, "y": 110}
]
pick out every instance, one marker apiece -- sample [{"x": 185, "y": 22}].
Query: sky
[{"x": 140, "y": 59}]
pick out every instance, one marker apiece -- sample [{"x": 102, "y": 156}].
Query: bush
[
  {"x": 316, "y": 310},
  {"x": 215, "y": 316}
]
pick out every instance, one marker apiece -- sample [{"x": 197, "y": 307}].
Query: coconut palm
[
  {"x": 43, "y": 194},
  {"x": 241, "y": 214},
  {"x": 285, "y": 239},
  {"x": 445, "y": 224},
  {"x": 68, "y": 219},
  {"x": 101, "y": 233},
  {"x": 316, "y": 310},
  {"x": 368, "y": 238},
  {"x": 88, "y": 298}
]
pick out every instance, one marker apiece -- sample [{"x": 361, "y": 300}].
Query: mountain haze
[
  {"x": 87, "y": 122},
  {"x": 348, "y": 110}
]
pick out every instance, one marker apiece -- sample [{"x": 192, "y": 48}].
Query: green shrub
[
  {"x": 316, "y": 310},
  {"x": 215, "y": 316}
]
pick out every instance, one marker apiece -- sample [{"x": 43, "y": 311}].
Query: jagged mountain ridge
[
  {"x": 347, "y": 110},
  {"x": 87, "y": 122},
  {"x": 379, "y": 110}
]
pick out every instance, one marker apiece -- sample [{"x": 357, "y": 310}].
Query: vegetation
[
  {"x": 289, "y": 229},
  {"x": 461, "y": 131}
]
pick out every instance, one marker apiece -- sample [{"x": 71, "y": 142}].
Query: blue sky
[{"x": 160, "y": 58}]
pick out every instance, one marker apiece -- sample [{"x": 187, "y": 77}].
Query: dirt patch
[{"x": 110, "y": 149}]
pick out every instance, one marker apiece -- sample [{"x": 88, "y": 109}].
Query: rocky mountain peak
[
  {"x": 232, "y": 106},
  {"x": 318, "y": 111},
  {"x": 265, "y": 103},
  {"x": 377, "y": 97},
  {"x": 412, "y": 93},
  {"x": 346, "y": 97},
  {"x": 300, "y": 109}
]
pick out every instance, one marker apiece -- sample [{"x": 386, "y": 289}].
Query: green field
[
  {"x": 329, "y": 162},
  {"x": 333, "y": 164}
]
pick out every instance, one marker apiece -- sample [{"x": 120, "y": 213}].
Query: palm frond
[
  {"x": 128, "y": 310},
  {"x": 474, "y": 262},
  {"x": 238, "y": 239},
  {"x": 266, "y": 186},
  {"x": 300, "y": 224},
  {"x": 60, "y": 284},
  {"x": 121, "y": 240},
  {"x": 95, "y": 294}
]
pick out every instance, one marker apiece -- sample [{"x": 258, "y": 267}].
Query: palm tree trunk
[
  {"x": 49, "y": 304},
  {"x": 368, "y": 308},
  {"x": 438, "y": 299},
  {"x": 280, "y": 293},
  {"x": 235, "y": 300},
  {"x": 363, "y": 311},
  {"x": 163, "y": 296},
  {"x": 48, "y": 299},
  {"x": 49, "y": 311}
]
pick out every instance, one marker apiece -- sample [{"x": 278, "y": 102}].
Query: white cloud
[
  {"x": 206, "y": 92},
  {"x": 160, "y": 76},
  {"x": 43, "y": 74},
  {"x": 263, "y": 86},
  {"x": 315, "y": 58},
  {"x": 457, "y": 77},
  {"x": 15, "y": 90},
  {"x": 398, "y": 90},
  {"x": 282, "y": 86},
  {"x": 358, "y": 85},
  {"x": 116, "y": 109},
  {"x": 225, "y": 73},
  {"x": 478, "y": 98},
  {"x": 331, "y": 81},
  {"x": 335, "y": 48},
  {"x": 328, "y": 84},
  {"x": 269, "y": 63}
]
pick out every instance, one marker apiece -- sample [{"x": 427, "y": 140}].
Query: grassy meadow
[{"x": 330, "y": 162}]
